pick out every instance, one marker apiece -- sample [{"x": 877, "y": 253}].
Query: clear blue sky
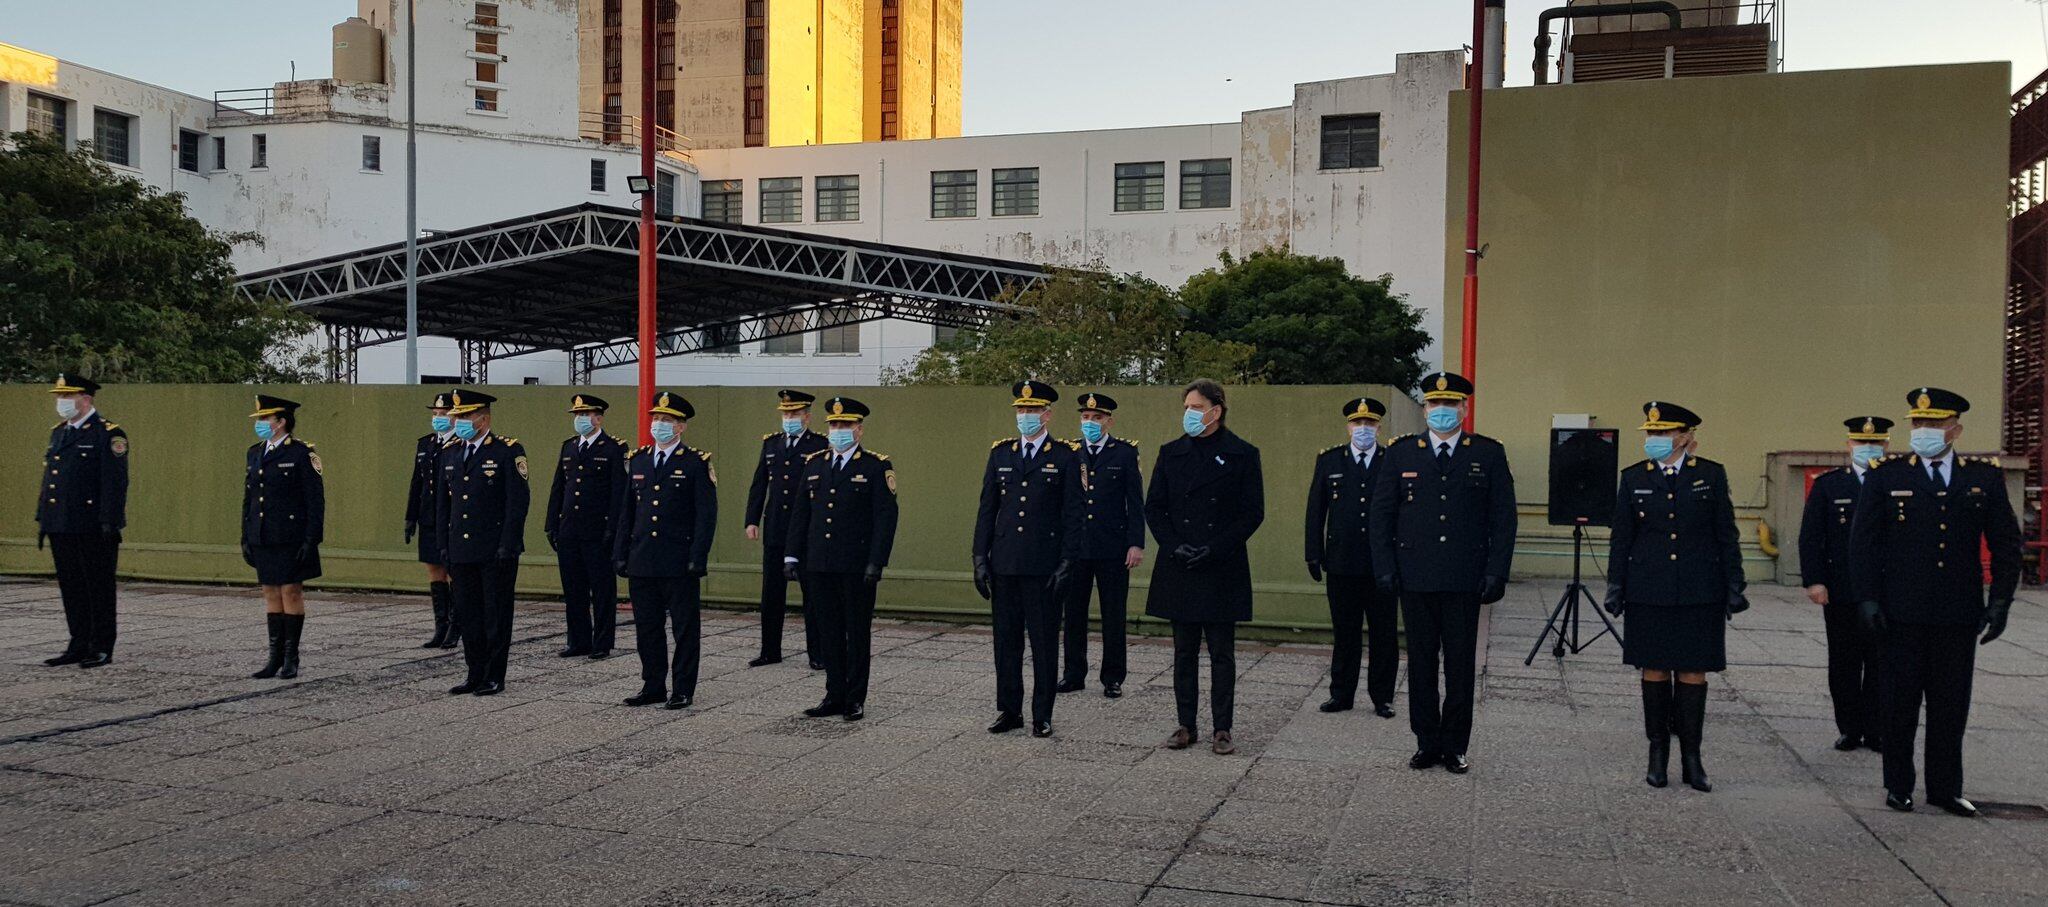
[{"x": 1042, "y": 65}]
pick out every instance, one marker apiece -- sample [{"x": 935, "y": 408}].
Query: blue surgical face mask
[
  {"x": 1865, "y": 454},
  {"x": 1658, "y": 447},
  {"x": 1443, "y": 419},
  {"x": 1363, "y": 436},
  {"x": 1930, "y": 442},
  {"x": 264, "y": 429},
  {"x": 1092, "y": 432},
  {"x": 792, "y": 426},
  {"x": 465, "y": 429},
  {"x": 442, "y": 424},
  {"x": 1029, "y": 424},
  {"x": 841, "y": 438},
  {"x": 583, "y": 424},
  {"x": 1191, "y": 422},
  {"x": 663, "y": 432},
  {"x": 67, "y": 408}
]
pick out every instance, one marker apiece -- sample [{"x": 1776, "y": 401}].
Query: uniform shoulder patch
[
  {"x": 119, "y": 445},
  {"x": 313, "y": 459},
  {"x": 519, "y": 463},
  {"x": 889, "y": 479}
]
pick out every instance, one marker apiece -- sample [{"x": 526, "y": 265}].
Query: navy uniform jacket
[
  {"x": 1031, "y": 513},
  {"x": 1674, "y": 539},
  {"x": 584, "y": 501},
  {"x": 1337, "y": 532},
  {"x": 419, "y": 499},
  {"x": 773, "y": 494},
  {"x": 1112, "y": 501},
  {"x": 1443, "y": 530},
  {"x": 284, "y": 500},
  {"x": 1914, "y": 545},
  {"x": 482, "y": 503},
  {"x": 1824, "y": 532},
  {"x": 85, "y": 478},
  {"x": 845, "y": 519},
  {"x": 684, "y": 491},
  {"x": 1210, "y": 493}
]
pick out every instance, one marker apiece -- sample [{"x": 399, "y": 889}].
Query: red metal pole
[
  {"x": 1475, "y": 81},
  {"x": 648, "y": 38}
]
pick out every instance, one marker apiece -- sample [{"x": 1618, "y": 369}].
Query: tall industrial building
[{"x": 750, "y": 73}]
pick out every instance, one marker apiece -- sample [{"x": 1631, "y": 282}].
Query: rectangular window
[
  {"x": 941, "y": 333},
  {"x": 953, "y": 193},
  {"x": 1205, "y": 184},
  {"x": 664, "y": 193},
  {"x": 782, "y": 200},
  {"x": 486, "y": 99},
  {"x": 1016, "y": 191},
  {"x": 220, "y": 152},
  {"x": 1141, "y": 187},
  {"x": 373, "y": 153},
  {"x": 838, "y": 198},
  {"x": 791, "y": 327},
  {"x": 665, "y": 54},
  {"x": 259, "y": 151},
  {"x": 614, "y": 13},
  {"x": 487, "y": 42},
  {"x": 110, "y": 135},
  {"x": 1351, "y": 141},
  {"x": 46, "y": 116},
  {"x": 838, "y": 338},
  {"x": 486, "y": 71},
  {"x": 722, "y": 339},
  {"x": 614, "y": 119},
  {"x": 722, "y": 201},
  {"x": 487, "y": 15},
  {"x": 596, "y": 175},
  {"x": 614, "y": 58},
  {"x": 188, "y": 150}
]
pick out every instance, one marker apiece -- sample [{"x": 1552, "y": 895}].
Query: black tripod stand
[{"x": 1567, "y": 611}]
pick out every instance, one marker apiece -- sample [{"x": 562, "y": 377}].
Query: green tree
[
  {"x": 104, "y": 276},
  {"x": 1308, "y": 320},
  {"x": 1083, "y": 328}
]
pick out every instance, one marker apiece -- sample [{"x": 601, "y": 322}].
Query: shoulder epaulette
[
  {"x": 1072, "y": 445},
  {"x": 808, "y": 457},
  {"x": 309, "y": 444},
  {"x": 879, "y": 456},
  {"x": 769, "y": 435},
  {"x": 1404, "y": 438},
  {"x": 451, "y": 442},
  {"x": 509, "y": 440},
  {"x": 112, "y": 426},
  {"x": 704, "y": 455},
  {"x": 999, "y": 442},
  {"x": 1333, "y": 448},
  {"x": 1988, "y": 461},
  {"x": 60, "y": 424}
]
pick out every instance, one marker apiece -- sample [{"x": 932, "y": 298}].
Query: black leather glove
[
  {"x": 1315, "y": 571},
  {"x": 412, "y": 527},
  {"x": 1184, "y": 553},
  {"x": 1492, "y": 589},
  {"x": 1737, "y": 603},
  {"x": 1386, "y": 584},
  {"x": 619, "y": 566},
  {"x": 507, "y": 554},
  {"x": 789, "y": 571},
  {"x": 40, "y": 535},
  {"x": 1617, "y": 600},
  {"x": 248, "y": 554},
  {"x": 1871, "y": 616},
  {"x": 873, "y": 574},
  {"x": 1995, "y": 615},
  {"x": 696, "y": 570},
  {"x": 1060, "y": 575},
  {"x": 983, "y": 582},
  {"x": 306, "y": 550},
  {"x": 552, "y": 545},
  {"x": 1197, "y": 557}
]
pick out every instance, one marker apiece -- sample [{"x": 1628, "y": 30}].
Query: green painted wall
[
  {"x": 188, "y": 443},
  {"x": 1776, "y": 252}
]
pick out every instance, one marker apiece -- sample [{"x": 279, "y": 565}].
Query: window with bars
[
  {"x": 782, "y": 200},
  {"x": 1205, "y": 183},
  {"x": 1015, "y": 191},
  {"x": 597, "y": 180},
  {"x": 1351, "y": 141},
  {"x": 188, "y": 150},
  {"x": 839, "y": 338},
  {"x": 953, "y": 193},
  {"x": 373, "y": 153},
  {"x": 614, "y": 13},
  {"x": 665, "y": 53},
  {"x": 838, "y": 198},
  {"x": 111, "y": 137},
  {"x": 47, "y": 116},
  {"x": 1141, "y": 187},
  {"x": 664, "y": 193},
  {"x": 722, "y": 201},
  {"x": 614, "y": 118},
  {"x": 614, "y": 58},
  {"x": 259, "y": 151},
  {"x": 792, "y": 343},
  {"x": 486, "y": 99},
  {"x": 220, "y": 152}
]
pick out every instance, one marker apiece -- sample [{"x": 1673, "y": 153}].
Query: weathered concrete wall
[{"x": 711, "y": 61}]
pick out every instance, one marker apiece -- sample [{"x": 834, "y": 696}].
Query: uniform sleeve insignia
[
  {"x": 314, "y": 459},
  {"x": 889, "y": 478},
  {"x": 119, "y": 445},
  {"x": 519, "y": 463}
]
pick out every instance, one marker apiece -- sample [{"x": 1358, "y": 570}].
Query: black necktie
[
  {"x": 1936, "y": 466},
  {"x": 1443, "y": 455}
]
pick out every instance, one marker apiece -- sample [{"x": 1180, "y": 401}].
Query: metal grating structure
[
  {"x": 2026, "y": 303},
  {"x": 565, "y": 280}
]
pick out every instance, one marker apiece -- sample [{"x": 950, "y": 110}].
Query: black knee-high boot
[
  {"x": 1657, "y": 727},
  {"x": 454, "y": 619},
  {"x": 274, "y": 621},
  {"x": 1691, "y": 701},
  {"x": 293, "y": 623},
  {"x": 443, "y": 614}
]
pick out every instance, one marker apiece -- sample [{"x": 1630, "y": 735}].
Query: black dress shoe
[
  {"x": 765, "y": 660},
  {"x": 1456, "y": 764},
  {"x": 817, "y": 665},
  {"x": 1847, "y": 742},
  {"x": 1383, "y": 710},
  {"x": 677, "y": 702},
  {"x": 825, "y": 709},
  {"x": 1955, "y": 806},
  {"x": 95, "y": 660},
  {"x": 1112, "y": 691},
  {"x": 1069, "y": 686},
  {"x": 489, "y": 688},
  {"x": 646, "y": 697},
  {"x": 856, "y": 712},
  {"x": 1901, "y": 802},
  {"x": 464, "y": 688},
  {"x": 600, "y": 654},
  {"x": 1005, "y": 723},
  {"x": 1041, "y": 728},
  {"x": 572, "y": 652},
  {"x": 1873, "y": 744},
  {"x": 1334, "y": 705},
  {"x": 68, "y": 658},
  {"x": 1422, "y": 760}
]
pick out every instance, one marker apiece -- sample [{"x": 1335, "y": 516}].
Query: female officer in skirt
[
  {"x": 284, "y": 511},
  {"x": 1675, "y": 570},
  {"x": 1206, "y": 499},
  {"x": 419, "y": 521}
]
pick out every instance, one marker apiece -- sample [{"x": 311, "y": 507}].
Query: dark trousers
[
  {"x": 590, "y": 593},
  {"x": 1112, "y": 579},
  {"x": 1188, "y": 637},
  {"x": 1357, "y": 606},
  {"x": 483, "y": 603},
  {"x": 1024, "y": 608},
  {"x": 85, "y": 582},
  {"x": 1852, "y": 672},
  {"x": 671, "y": 600},
  {"x": 775, "y": 603},
  {"x": 1935, "y": 664},
  {"x": 843, "y": 607},
  {"x": 1441, "y": 626}
]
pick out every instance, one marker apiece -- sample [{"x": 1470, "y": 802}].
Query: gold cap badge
[
  {"x": 838, "y": 408},
  {"x": 1655, "y": 416},
  {"x": 1090, "y": 403},
  {"x": 1925, "y": 402},
  {"x": 1869, "y": 427},
  {"x": 1441, "y": 383}
]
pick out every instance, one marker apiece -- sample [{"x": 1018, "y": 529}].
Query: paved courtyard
[{"x": 169, "y": 777}]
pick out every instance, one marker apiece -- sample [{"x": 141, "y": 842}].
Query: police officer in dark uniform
[
  {"x": 583, "y": 507},
  {"x": 1112, "y": 545},
  {"x": 1674, "y": 568},
  {"x": 1027, "y": 535},
  {"x": 664, "y": 562},
  {"x": 840, "y": 536},
  {"x": 1824, "y": 561},
  {"x": 1443, "y": 533},
  {"x": 769, "y": 501},
  {"x": 82, "y": 508},
  {"x": 481, "y": 517},
  {"x": 420, "y": 502},
  {"x": 1913, "y": 544},
  {"x": 284, "y": 517},
  {"x": 1337, "y": 539}
]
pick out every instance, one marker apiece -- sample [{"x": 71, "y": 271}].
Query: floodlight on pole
[{"x": 638, "y": 185}]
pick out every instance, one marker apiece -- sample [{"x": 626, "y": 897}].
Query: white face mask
[{"x": 67, "y": 408}]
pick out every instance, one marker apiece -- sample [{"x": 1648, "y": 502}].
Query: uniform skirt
[
  {"x": 279, "y": 565},
  {"x": 430, "y": 553},
  {"x": 1682, "y": 638}
]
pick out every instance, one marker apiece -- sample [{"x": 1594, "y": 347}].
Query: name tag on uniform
[
  {"x": 860, "y": 478},
  {"x": 639, "y": 475},
  {"x": 1002, "y": 469},
  {"x": 676, "y": 473},
  {"x": 1334, "y": 475},
  {"x": 1643, "y": 491},
  {"x": 490, "y": 464},
  {"x": 1410, "y": 475},
  {"x": 600, "y": 459},
  {"x": 1698, "y": 482},
  {"x": 286, "y": 465},
  {"x": 1845, "y": 500},
  {"x": 1051, "y": 468},
  {"x": 1902, "y": 494},
  {"x": 86, "y": 446}
]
